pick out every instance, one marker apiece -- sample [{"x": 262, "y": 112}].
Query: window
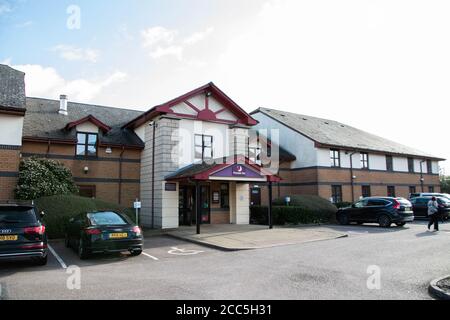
[
  {"x": 366, "y": 191},
  {"x": 335, "y": 158},
  {"x": 412, "y": 190},
  {"x": 391, "y": 191},
  {"x": 361, "y": 204},
  {"x": 107, "y": 218},
  {"x": 254, "y": 154},
  {"x": 364, "y": 160},
  {"x": 429, "y": 166},
  {"x": 87, "y": 144},
  {"x": 389, "y": 163},
  {"x": 224, "y": 196},
  {"x": 376, "y": 202},
  {"x": 86, "y": 191},
  {"x": 336, "y": 194},
  {"x": 203, "y": 147},
  {"x": 431, "y": 189},
  {"x": 410, "y": 165}
]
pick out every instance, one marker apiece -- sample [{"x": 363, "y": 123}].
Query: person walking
[{"x": 433, "y": 213}]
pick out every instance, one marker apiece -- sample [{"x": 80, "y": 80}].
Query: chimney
[{"x": 63, "y": 104}]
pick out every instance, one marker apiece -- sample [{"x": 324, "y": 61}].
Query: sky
[{"x": 381, "y": 66}]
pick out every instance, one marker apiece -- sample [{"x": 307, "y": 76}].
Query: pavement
[
  {"x": 371, "y": 263},
  {"x": 247, "y": 237}
]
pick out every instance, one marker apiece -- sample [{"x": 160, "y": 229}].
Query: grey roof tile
[
  {"x": 333, "y": 133},
  {"x": 42, "y": 120}
]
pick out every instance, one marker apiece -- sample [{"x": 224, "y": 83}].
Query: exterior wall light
[
  {"x": 353, "y": 177},
  {"x": 86, "y": 170}
]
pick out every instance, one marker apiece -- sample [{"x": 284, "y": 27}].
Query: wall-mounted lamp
[
  {"x": 422, "y": 179},
  {"x": 86, "y": 170},
  {"x": 208, "y": 94},
  {"x": 353, "y": 177}
]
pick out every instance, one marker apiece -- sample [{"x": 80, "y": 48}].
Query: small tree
[
  {"x": 445, "y": 184},
  {"x": 42, "y": 177}
]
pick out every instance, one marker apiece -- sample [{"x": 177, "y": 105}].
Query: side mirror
[{"x": 42, "y": 214}]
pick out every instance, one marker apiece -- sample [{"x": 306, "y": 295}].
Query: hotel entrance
[
  {"x": 217, "y": 193},
  {"x": 187, "y": 205}
]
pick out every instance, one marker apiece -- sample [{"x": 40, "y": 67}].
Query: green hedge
[
  {"x": 343, "y": 205},
  {"x": 303, "y": 209},
  {"x": 59, "y": 209}
]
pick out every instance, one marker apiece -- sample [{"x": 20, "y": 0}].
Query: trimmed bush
[
  {"x": 42, "y": 177},
  {"x": 343, "y": 205},
  {"x": 304, "y": 209},
  {"x": 59, "y": 209}
]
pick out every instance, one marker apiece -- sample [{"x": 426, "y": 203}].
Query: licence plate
[
  {"x": 118, "y": 235},
  {"x": 9, "y": 238}
]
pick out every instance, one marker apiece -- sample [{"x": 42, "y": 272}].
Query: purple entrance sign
[{"x": 237, "y": 171}]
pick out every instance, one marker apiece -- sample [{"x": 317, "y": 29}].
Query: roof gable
[
  {"x": 207, "y": 103},
  {"x": 90, "y": 118}
]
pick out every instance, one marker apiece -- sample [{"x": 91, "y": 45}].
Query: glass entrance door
[{"x": 205, "y": 201}]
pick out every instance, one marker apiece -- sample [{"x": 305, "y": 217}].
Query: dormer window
[{"x": 87, "y": 144}]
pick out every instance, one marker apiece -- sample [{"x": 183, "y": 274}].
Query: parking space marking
[
  {"x": 150, "y": 256},
  {"x": 183, "y": 252},
  {"x": 60, "y": 260}
]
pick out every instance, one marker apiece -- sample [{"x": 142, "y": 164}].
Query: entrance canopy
[{"x": 224, "y": 169}]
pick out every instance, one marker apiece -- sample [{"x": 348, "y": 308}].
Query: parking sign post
[{"x": 137, "y": 206}]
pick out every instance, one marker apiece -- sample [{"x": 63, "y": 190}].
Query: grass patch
[{"x": 59, "y": 209}]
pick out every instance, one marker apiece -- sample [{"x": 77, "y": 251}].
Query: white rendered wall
[{"x": 11, "y": 130}]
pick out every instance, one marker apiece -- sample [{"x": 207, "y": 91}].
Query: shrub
[
  {"x": 343, "y": 205},
  {"x": 42, "y": 177},
  {"x": 303, "y": 209},
  {"x": 59, "y": 209}
]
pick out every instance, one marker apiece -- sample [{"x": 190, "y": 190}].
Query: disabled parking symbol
[{"x": 183, "y": 252}]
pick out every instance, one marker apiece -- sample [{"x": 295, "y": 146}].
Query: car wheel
[
  {"x": 384, "y": 221},
  {"x": 135, "y": 253},
  {"x": 400, "y": 224},
  {"x": 82, "y": 253},
  {"x": 343, "y": 219},
  {"x": 41, "y": 261}
]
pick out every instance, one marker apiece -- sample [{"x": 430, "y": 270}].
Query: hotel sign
[{"x": 237, "y": 171}]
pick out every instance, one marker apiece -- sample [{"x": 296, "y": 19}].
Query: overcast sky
[{"x": 382, "y": 66}]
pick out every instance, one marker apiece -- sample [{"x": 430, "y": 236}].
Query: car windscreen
[
  {"x": 9, "y": 215},
  {"x": 106, "y": 219}
]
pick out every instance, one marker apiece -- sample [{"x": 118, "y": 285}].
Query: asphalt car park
[{"x": 174, "y": 269}]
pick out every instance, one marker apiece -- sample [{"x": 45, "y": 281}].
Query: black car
[
  {"x": 420, "y": 206},
  {"x": 22, "y": 233},
  {"x": 381, "y": 210},
  {"x": 103, "y": 232}
]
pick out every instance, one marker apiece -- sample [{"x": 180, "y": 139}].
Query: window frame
[
  {"x": 336, "y": 196},
  {"x": 389, "y": 163},
  {"x": 203, "y": 136},
  {"x": 411, "y": 165},
  {"x": 86, "y": 145},
  {"x": 412, "y": 189},
  {"x": 393, "y": 193},
  {"x": 367, "y": 187},
  {"x": 364, "y": 162},
  {"x": 429, "y": 166},
  {"x": 333, "y": 158}
]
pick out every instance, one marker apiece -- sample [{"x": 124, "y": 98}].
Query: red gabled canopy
[
  {"x": 90, "y": 118},
  {"x": 206, "y": 115}
]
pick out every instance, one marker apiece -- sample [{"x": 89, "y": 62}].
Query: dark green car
[{"x": 103, "y": 232}]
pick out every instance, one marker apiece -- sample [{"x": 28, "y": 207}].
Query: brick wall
[
  {"x": 104, "y": 171},
  {"x": 318, "y": 181},
  {"x": 9, "y": 168}
]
